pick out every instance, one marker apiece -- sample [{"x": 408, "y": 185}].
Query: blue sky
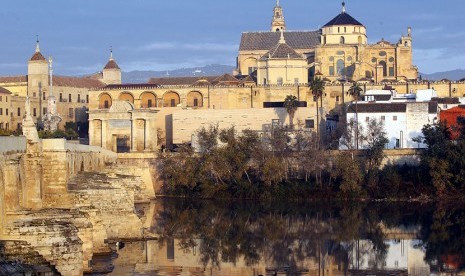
[{"x": 164, "y": 35}]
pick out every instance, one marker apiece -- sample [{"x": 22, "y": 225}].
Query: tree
[
  {"x": 376, "y": 139},
  {"x": 317, "y": 87},
  {"x": 355, "y": 91},
  {"x": 291, "y": 104}
]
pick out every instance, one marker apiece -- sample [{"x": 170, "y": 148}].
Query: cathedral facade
[{"x": 337, "y": 51}]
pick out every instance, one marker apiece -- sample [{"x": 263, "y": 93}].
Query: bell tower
[{"x": 278, "y": 24}]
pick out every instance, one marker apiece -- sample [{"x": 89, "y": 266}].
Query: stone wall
[{"x": 12, "y": 144}]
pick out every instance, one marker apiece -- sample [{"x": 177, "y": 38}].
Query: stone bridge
[{"x": 64, "y": 200}]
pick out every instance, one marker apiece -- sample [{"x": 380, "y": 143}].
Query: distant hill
[
  {"x": 209, "y": 70},
  {"x": 453, "y": 75}
]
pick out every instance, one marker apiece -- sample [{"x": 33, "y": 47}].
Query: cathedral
[{"x": 337, "y": 51}]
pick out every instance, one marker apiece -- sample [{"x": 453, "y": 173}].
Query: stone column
[
  {"x": 133, "y": 133},
  {"x": 105, "y": 136},
  {"x": 91, "y": 133}
]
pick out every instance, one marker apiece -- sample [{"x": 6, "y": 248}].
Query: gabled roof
[
  {"x": 266, "y": 40},
  {"x": 226, "y": 79},
  {"x": 111, "y": 64},
  {"x": 4, "y": 91},
  {"x": 343, "y": 19},
  {"x": 282, "y": 51},
  {"x": 77, "y": 82},
  {"x": 37, "y": 56},
  {"x": 9, "y": 79}
]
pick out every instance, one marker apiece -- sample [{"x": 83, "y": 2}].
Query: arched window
[
  {"x": 383, "y": 63},
  {"x": 148, "y": 100},
  {"x": 194, "y": 99},
  {"x": 340, "y": 67},
  {"x": 125, "y": 96},
  {"x": 104, "y": 101},
  {"x": 171, "y": 99},
  {"x": 342, "y": 40}
]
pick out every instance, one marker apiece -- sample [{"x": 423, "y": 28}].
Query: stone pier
[{"x": 65, "y": 200}]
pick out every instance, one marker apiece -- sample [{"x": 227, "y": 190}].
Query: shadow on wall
[{"x": 169, "y": 131}]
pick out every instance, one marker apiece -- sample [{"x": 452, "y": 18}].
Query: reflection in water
[{"x": 246, "y": 238}]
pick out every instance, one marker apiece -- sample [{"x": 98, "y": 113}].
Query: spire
[
  {"x": 111, "y": 52},
  {"x": 343, "y": 7},
  {"x": 277, "y": 3},
  {"x": 281, "y": 39},
  {"x": 37, "y": 45}
]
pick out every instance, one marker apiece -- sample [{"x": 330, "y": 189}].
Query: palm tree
[
  {"x": 291, "y": 104},
  {"x": 318, "y": 87},
  {"x": 356, "y": 91}
]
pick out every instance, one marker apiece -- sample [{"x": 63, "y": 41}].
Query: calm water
[
  {"x": 218, "y": 238},
  {"x": 208, "y": 238}
]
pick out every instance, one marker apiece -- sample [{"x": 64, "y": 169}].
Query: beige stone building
[
  {"x": 339, "y": 50},
  {"x": 5, "y": 105},
  {"x": 271, "y": 65},
  {"x": 71, "y": 93}
]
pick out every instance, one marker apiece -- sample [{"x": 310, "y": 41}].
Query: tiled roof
[
  {"x": 184, "y": 80},
  {"x": 37, "y": 56},
  {"x": 267, "y": 40},
  {"x": 4, "y": 91},
  {"x": 282, "y": 51},
  {"x": 226, "y": 79},
  {"x": 77, "y": 82},
  {"x": 9, "y": 79},
  {"x": 111, "y": 65},
  {"x": 343, "y": 19}
]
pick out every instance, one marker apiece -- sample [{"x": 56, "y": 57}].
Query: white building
[{"x": 404, "y": 115}]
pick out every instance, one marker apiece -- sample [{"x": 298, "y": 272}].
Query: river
[{"x": 247, "y": 238}]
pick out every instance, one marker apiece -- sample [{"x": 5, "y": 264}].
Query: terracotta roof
[
  {"x": 267, "y": 40},
  {"x": 226, "y": 78},
  {"x": 37, "y": 56},
  {"x": 343, "y": 19},
  {"x": 9, "y": 79},
  {"x": 282, "y": 51},
  {"x": 183, "y": 80},
  {"x": 4, "y": 91},
  {"x": 111, "y": 65},
  {"x": 77, "y": 82}
]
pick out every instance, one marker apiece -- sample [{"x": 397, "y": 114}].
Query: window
[
  {"x": 345, "y": 29},
  {"x": 383, "y": 64},
  {"x": 382, "y": 54},
  {"x": 264, "y": 81},
  {"x": 170, "y": 249},
  {"x": 149, "y": 103},
  {"x": 18, "y": 126},
  {"x": 342, "y": 40},
  {"x": 6, "y": 111},
  {"x": 6, "y": 98},
  {"x": 1, "y": 99},
  {"x": 34, "y": 112},
  {"x": 87, "y": 98},
  {"x": 70, "y": 112},
  {"x": 69, "y": 98},
  {"x": 19, "y": 111},
  {"x": 172, "y": 102},
  {"x": 331, "y": 70},
  {"x": 1, "y": 125},
  {"x": 106, "y": 104},
  {"x": 391, "y": 71},
  {"x": 1, "y": 111},
  {"x": 196, "y": 102},
  {"x": 79, "y": 98},
  {"x": 309, "y": 123},
  {"x": 394, "y": 118},
  {"x": 340, "y": 67},
  {"x": 44, "y": 110},
  {"x": 338, "y": 29},
  {"x": 61, "y": 97},
  {"x": 337, "y": 98}
]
